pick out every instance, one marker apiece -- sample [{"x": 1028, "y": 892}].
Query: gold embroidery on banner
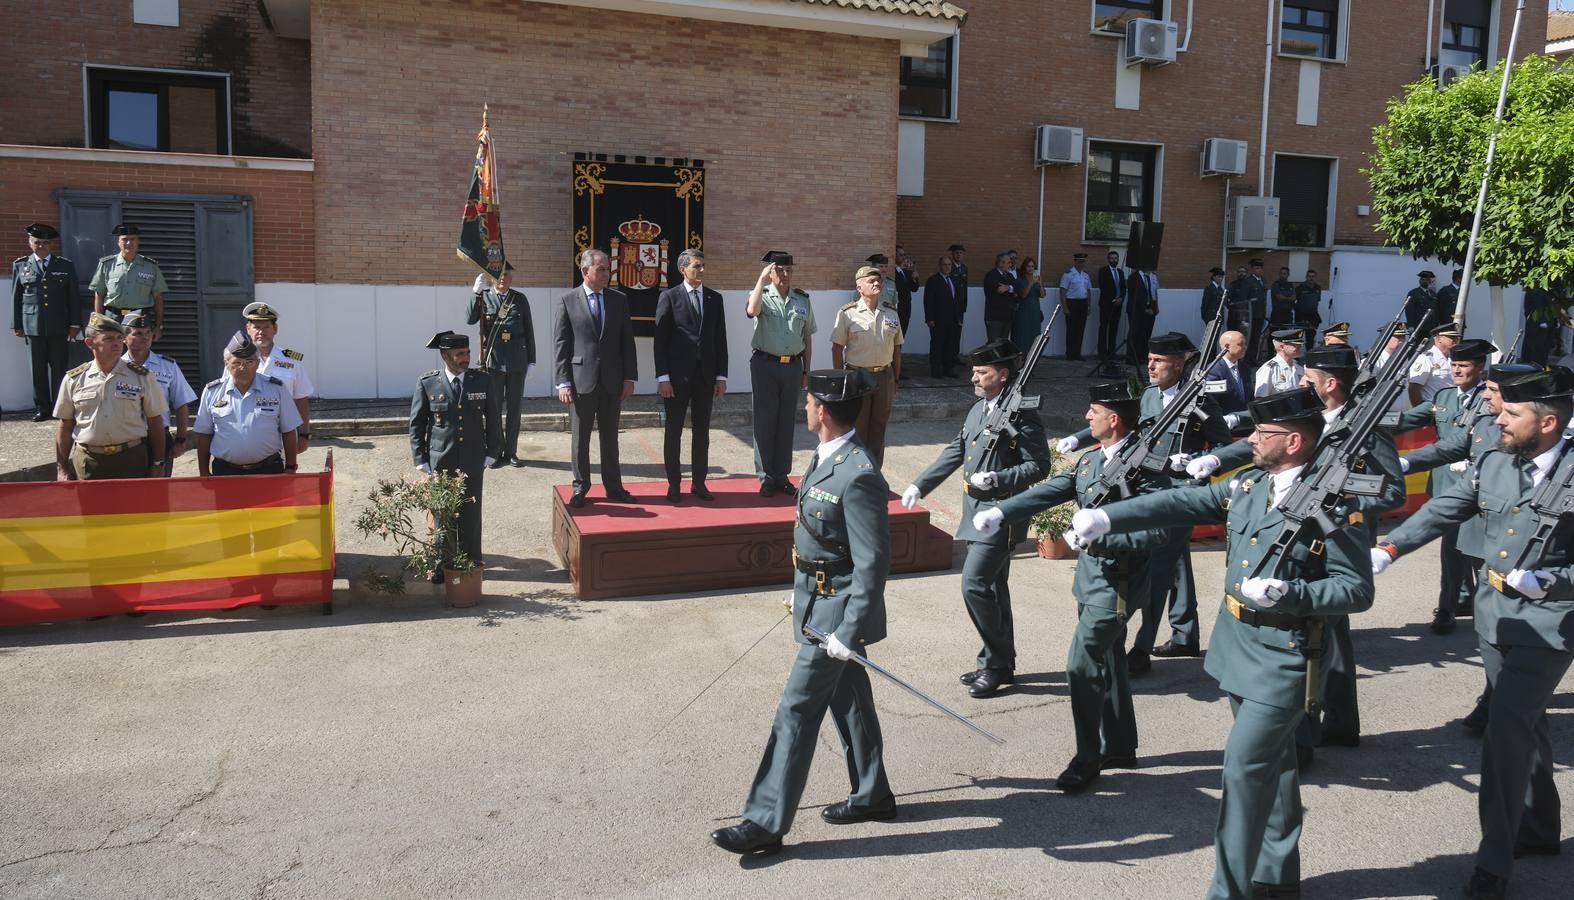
[{"x": 587, "y": 177}]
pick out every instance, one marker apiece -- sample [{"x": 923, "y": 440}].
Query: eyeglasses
[{"x": 1270, "y": 432}]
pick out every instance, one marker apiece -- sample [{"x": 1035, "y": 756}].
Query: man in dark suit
[
  {"x": 1142, "y": 308},
  {"x": 1227, "y": 368},
  {"x": 1421, "y": 299},
  {"x": 46, "y": 311},
  {"x": 1257, "y": 349},
  {"x": 1212, "y": 295},
  {"x": 691, "y": 365},
  {"x": 595, "y": 370},
  {"x": 959, "y": 274},
  {"x": 1000, "y": 298},
  {"x": 943, "y": 305},
  {"x": 906, "y": 280},
  {"x": 1112, "y": 292}
]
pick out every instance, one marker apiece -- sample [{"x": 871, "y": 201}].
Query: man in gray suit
[{"x": 593, "y": 342}]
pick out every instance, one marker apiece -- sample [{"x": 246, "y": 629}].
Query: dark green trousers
[
  {"x": 1259, "y": 831},
  {"x": 986, "y": 592},
  {"x": 1518, "y": 798},
  {"x": 1101, "y": 708}
]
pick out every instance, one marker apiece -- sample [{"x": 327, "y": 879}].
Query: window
[
  {"x": 1465, "y": 24},
  {"x": 134, "y": 109},
  {"x": 1310, "y": 28},
  {"x": 1302, "y": 184},
  {"x": 1122, "y": 181},
  {"x": 1111, "y": 16},
  {"x": 929, "y": 84}
]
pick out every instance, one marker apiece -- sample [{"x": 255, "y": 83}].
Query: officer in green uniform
[
  {"x": 127, "y": 280},
  {"x": 1110, "y": 574},
  {"x": 1452, "y": 411},
  {"x": 781, "y": 354},
  {"x": 454, "y": 427},
  {"x": 842, "y": 553},
  {"x": 1258, "y": 647},
  {"x": 46, "y": 311},
  {"x": 111, "y": 413},
  {"x": 989, "y": 475},
  {"x": 1524, "y": 614},
  {"x": 509, "y": 350}
]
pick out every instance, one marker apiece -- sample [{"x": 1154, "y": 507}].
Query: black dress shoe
[
  {"x": 767, "y": 490},
  {"x": 1138, "y": 663},
  {"x": 620, "y": 495},
  {"x": 1262, "y": 891},
  {"x": 1475, "y": 721},
  {"x": 1118, "y": 761},
  {"x": 675, "y": 495},
  {"x": 989, "y": 681},
  {"x": 1442, "y": 621},
  {"x": 1172, "y": 649},
  {"x": 1484, "y": 885},
  {"x": 701, "y": 491},
  {"x": 516, "y": 462},
  {"x": 1077, "y": 777},
  {"x": 1536, "y": 848},
  {"x": 747, "y": 838},
  {"x": 1465, "y": 610},
  {"x": 578, "y": 500},
  {"x": 845, "y": 813},
  {"x": 499, "y": 463},
  {"x": 41, "y": 416},
  {"x": 971, "y": 677},
  {"x": 788, "y": 489},
  {"x": 1331, "y": 739}
]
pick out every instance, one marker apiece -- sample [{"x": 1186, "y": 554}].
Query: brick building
[{"x": 313, "y": 153}]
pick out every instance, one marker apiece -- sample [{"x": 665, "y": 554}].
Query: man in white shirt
[
  {"x": 1284, "y": 371},
  {"x": 289, "y": 366},
  {"x": 1431, "y": 372}
]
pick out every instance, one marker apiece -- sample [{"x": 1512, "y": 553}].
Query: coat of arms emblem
[{"x": 640, "y": 255}]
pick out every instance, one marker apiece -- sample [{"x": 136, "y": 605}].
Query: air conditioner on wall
[
  {"x": 1057, "y": 145},
  {"x": 1223, "y": 156},
  {"x": 1150, "y": 42},
  {"x": 1446, "y": 74},
  {"x": 1255, "y": 222}
]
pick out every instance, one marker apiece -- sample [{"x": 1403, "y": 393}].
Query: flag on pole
[{"x": 481, "y": 229}]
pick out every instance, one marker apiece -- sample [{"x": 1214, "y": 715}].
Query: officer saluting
[
  {"x": 508, "y": 340},
  {"x": 246, "y": 421},
  {"x": 782, "y": 353},
  {"x": 111, "y": 413},
  {"x": 46, "y": 311},
  {"x": 127, "y": 280},
  {"x": 455, "y": 427},
  {"x": 842, "y": 553},
  {"x": 988, "y": 477}
]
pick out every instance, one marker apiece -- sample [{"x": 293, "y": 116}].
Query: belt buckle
[
  {"x": 819, "y": 583},
  {"x": 1233, "y": 605},
  {"x": 112, "y": 449},
  {"x": 1495, "y": 578},
  {"x": 784, "y": 360}
]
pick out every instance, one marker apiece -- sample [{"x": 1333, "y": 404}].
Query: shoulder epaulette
[
  {"x": 78, "y": 370},
  {"x": 105, "y": 259},
  {"x": 295, "y": 355},
  {"x": 274, "y": 380},
  {"x": 431, "y": 374},
  {"x": 214, "y": 383},
  {"x": 799, "y": 291},
  {"x": 850, "y": 305},
  {"x": 136, "y": 367},
  {"x": 148, "y": 258},
  {"x": 19, "y": 259}
]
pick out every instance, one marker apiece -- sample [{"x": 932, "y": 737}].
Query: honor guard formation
[{"x": 1284, "y": 441}]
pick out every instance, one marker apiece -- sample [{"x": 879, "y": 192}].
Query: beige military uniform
[
  {"x": 110, "y": 414},
  {"x": 870, "y": 339}
]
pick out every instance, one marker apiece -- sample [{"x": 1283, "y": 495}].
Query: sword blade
[{"x": 873, "y": 666}]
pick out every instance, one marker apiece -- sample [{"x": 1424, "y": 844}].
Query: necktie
[
  {"x": 1270, "y": 492},
  {"x": 459, "y": 393},
  {"x": 696, "y": 305},
  {"x": 595, "y": 308},
  {"x": 1527, "y": 475},
  {"x": 814, "y": 460}
]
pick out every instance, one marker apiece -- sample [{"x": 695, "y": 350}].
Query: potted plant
[
  {"x": 420, "y": 515},
  {"x": 1050, "y": 524}
]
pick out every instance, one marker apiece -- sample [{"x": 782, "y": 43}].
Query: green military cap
[
  {"x": 831, "y": 385},
  {"x": 138, "y": 318},
  {"x": 125, "y": 228},
  {"x": 42, "y": 232},
  {"x": 1000, "y": 352},
  {"x": 1472, "y": 350},
  {"x": 1171, "y": 343},
  {"x": 260, "y": 312},
  {"x": 98, "y": 322},
  {"x": 1338, "y": 358},
  {"x": 240, "y": 346},
  {"x": 864, "y": 271},
  {"x": 1552, "y": 383},
  {"x": 1287, "y": 406},
  {"x": 448, "y": 340}
]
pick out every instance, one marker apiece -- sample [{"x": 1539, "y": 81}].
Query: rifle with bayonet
[{"x": 1002, "y": 420}]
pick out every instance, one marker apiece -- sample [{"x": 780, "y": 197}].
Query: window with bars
[
  {"x": 1310, "y": 28},
  {"x": 1122, "y": 181}
]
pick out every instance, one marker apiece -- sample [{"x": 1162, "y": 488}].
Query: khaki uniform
[
  {"x": 128, "y": 285},
  {"x": 870, "y": 339},
  {"x": 110, "y": 414}
]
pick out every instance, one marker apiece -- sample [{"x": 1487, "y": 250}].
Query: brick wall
[
  {"x": 797, "y": 131},
  {"x": 1026, "y": 63},
  {"x": 47, "y": 46},
  {"x": 281, "y": 203}
]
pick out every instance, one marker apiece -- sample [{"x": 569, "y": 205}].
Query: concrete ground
[{"x": 534, "y": 746}]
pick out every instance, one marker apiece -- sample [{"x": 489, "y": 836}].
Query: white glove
[
  {"x": 1067, "y": 444},
  {"x": 910, "y": 496},
  {"x": 1178, "y": 461},
  {"x": 1203, "y": 466},
  {"x": 984, "y": 481},
  {"x": 1533, "y": 583},
  {"x": 424, "y": 468},
  {"x": 835, "y": 649},
  {"x": 1265, "y": 591},
  {"x": 1074, "y": 541},
  {"x": 1232, "y": 420},
  {"x": 1461, "y": 467},
  {"x": 489, "y": 461},
  {"x": 1380, "y": 561},
  {"x": 1090, "y": 524},
  {"x": 988, "y": 521},
  {"x": 1404, "y": 465}
]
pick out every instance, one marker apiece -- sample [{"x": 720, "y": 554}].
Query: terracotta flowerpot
[
  {"x": 1052, "y": 547},
  {"x": 463, "y": 589}
]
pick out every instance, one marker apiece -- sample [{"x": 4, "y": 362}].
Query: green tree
[{"x": 1429, "y": 156}]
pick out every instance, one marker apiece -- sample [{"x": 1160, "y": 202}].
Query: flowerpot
[
  {"x": 463, "y": 589},
  {"x": 1055, "y": 548}
]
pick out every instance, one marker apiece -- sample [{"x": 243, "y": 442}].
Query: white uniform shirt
[
  {"x": 177, "y": 391},
  {"x": 1431, "y": 372},
  {"x": 1075, "y": 285},
  {"x": 297, "y": 383},
  {"x": 1276, "y": 375}
]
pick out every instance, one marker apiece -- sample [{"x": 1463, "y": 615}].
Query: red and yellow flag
[{"x": 481, "y": 228}]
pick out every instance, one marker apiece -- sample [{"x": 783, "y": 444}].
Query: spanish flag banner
[
  {"x": 73, "y": 549},
  {"x": 481, "y": 229}
]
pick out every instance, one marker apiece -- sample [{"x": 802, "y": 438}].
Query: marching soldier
[
  {"x": 451, "y": 404},
  {"x": 111, "y": 413},
  {"x": 989, "y": 475},
  {"x": 508, "y": 354},
  {"x": 1110, "y": 575},
  {"x": 127, "y": 281},
  {"x": 1258, "y": 650},
  {"x": 1524, "y": 613},
  {"x": 246, "y": 421},
  {"x": 868, "y": 337},
  {"x": 783, "y": 323},
  {"x": 842, "y": 553},
  {"x": 46, "y": 311},
  {"x": 177, "y": 391},
  {"x": 289, "y": 366},
  {"x": 1284, "y": 371}
]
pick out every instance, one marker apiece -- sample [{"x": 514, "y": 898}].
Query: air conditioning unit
[
  {"x": 1150, "y": 42},
  {"x": 1222, "y": 156},
  {"x": 1255, "y": 222},
  {"x": 1057, "y": 145},
  {"x": 1446, "y": 74}
]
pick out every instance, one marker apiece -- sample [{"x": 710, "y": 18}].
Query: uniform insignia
[
  {"x": 1247, "y": 484},
  {"x": 283, "y": 365},
  {"x": 840, "y": 458},
  {"x": 295, "y": 355},
  {"x": 213, "y": 384},
  {"x": 78, "y": 370},
  {"x": 1355, "y": 518},
  {"x": 135, "y": 367},
  {"x": 220, "y": 403},
  {"x": 105, "y": 259},
  {"x": 274, "y": 380},
  {"x": 798, "y": 292},
  {"x": 850, "y": 305}
]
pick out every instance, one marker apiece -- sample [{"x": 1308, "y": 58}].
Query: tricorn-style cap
[
  {"x": 865, "y": 271},
  {"x": 103, "y": 321},
  {"x": 1447, "y": 329},
  {"x": 1554, "y": 382},
  {"x": 955, "y": 247},
  {"x": 1472, "y": 350},
  {"x": 260, "y": 312},
  {"x": 877, "y": 258},
  {"x": 1508, "y": 371},
  {"x": 125, "y": 228},
  {"x": 1337, "y": 329},
  {"x": 42, "y": 232},
  {"x": 1116, "y": 393},
  {"x": 1287, "y": 406},
  {"x": 779, "y": 257},
  {"x": 1171, "y": 343},
  {"x": 1425, "y": 273},
  {"x": 1289, "y": 336},
  {"x": 999, "y": 352},
  {"x": 240, "y": 345},
  {"x": 448, "y": 340},
  {"x": 1338, "y": 358},
  {"x": 831, "y": 385},
  {"x": 138, "y": 318}
]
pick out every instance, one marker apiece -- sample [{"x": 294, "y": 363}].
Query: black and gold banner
[{"x": 643, "y": 214}]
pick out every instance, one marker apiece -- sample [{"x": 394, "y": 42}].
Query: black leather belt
[
  {"x": 784, "y": 360},
  {"x": 991, "y": 494},
  {"x": 272, "y": 460},
  {"x": 822, "y": 570},
  {"x": 1260, "y": 617}
]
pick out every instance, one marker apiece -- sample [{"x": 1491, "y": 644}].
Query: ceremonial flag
[{"x": 481, "y": 229}]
